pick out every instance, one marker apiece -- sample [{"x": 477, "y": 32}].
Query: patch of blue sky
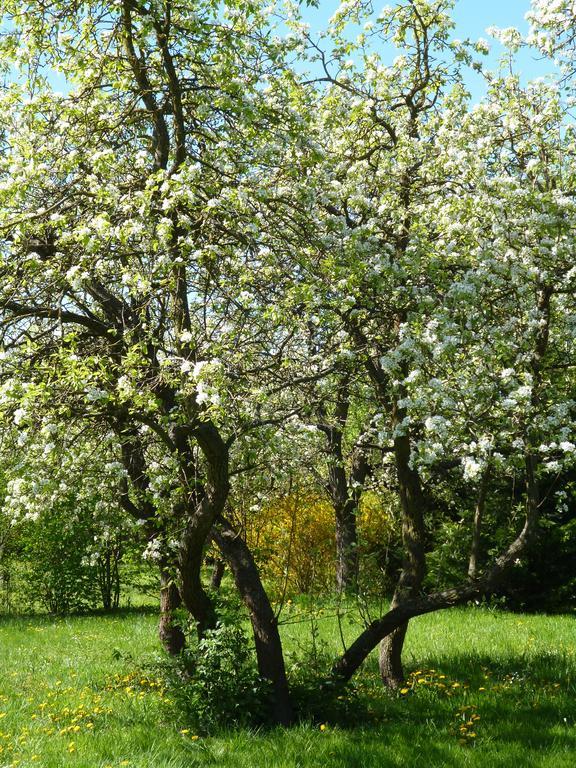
[{"x": 473, "y": 19}]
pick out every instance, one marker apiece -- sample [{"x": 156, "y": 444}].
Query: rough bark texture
[
  {"x": 171, "y": 634},
  {"x": 413, "y": 505},
  {"x": 264, "y": 624}
]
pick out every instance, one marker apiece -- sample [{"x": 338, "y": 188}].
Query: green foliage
[
  {"x": 316, "y": 698},
  {"x": 216, "y": 684},
  {"x": 54, "y": 572},
  {"x": 447, "y": 562}
]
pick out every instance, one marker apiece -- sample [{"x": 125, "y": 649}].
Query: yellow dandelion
[{"x": 323, "y": 727}]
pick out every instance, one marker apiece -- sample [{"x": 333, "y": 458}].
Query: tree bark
[
  {"x": 390, "y": 657},
  {"x": 217, "y": 574},
  {"x": 413, "y": 506},
  {"x": 171, "y": 634},
  {"x": 477, "y": 526},
  {"x": 267, "y": 641}
]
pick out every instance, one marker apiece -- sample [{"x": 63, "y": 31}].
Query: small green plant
[
  {"x": 216, "y": 684},
  {"x": 316, "y": 698}
]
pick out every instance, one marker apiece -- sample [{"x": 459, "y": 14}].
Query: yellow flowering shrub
[{"x": 294, "y": 540}]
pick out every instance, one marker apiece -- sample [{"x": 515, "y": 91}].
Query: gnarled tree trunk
[{"x": 264, "y": 624}]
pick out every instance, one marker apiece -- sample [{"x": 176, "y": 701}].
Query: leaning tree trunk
[
  {"x": 488, "y": 584},
  {"x": 264, "y": 623}
]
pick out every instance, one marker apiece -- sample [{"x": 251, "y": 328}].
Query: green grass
[{"x": 485, "y": 689}]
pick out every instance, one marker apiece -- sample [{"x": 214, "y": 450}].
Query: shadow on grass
[
  {"x": 526, "y": 705},
  {"x": 123, "y": 612}
]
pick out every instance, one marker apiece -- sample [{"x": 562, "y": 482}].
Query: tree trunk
[
  {"x": 217, "y": 574},
  {"x": 171, "y": 634},
  {"x": 346, "y": 547},
  {"x": 413, "y": 506},
  {"x": 264, "y": 624},
  {"x": 344, "y": 491},
  {"x": 489, "y": 584},
  {"x": 192, "y": 592},
  {"x": 404, "y": 606},
  {"x": 116, "y": 579},
  {"x": 477, "y": 526},
  {"x": 390, "y": 658},
  {"x": 205, "y": 504}
]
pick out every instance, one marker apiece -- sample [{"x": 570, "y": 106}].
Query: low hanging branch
[{"x": 489, "y": 584}]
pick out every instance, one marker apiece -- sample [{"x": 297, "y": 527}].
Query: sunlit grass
[{"x": 484, "y": 688}]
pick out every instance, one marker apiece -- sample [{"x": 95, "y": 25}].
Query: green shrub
[{"x": 216, "y": 684}]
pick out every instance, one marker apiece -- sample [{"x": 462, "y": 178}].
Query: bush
[
  {"x": 294, "y": 542},
  {"x": 216, "y": 684},
  {"x": 54, "y": 571}
]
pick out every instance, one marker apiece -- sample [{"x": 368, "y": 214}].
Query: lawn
[{"x": 485, "y": 688}]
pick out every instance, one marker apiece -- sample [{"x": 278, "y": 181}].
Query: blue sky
[{"x": 472, "y": 18}]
